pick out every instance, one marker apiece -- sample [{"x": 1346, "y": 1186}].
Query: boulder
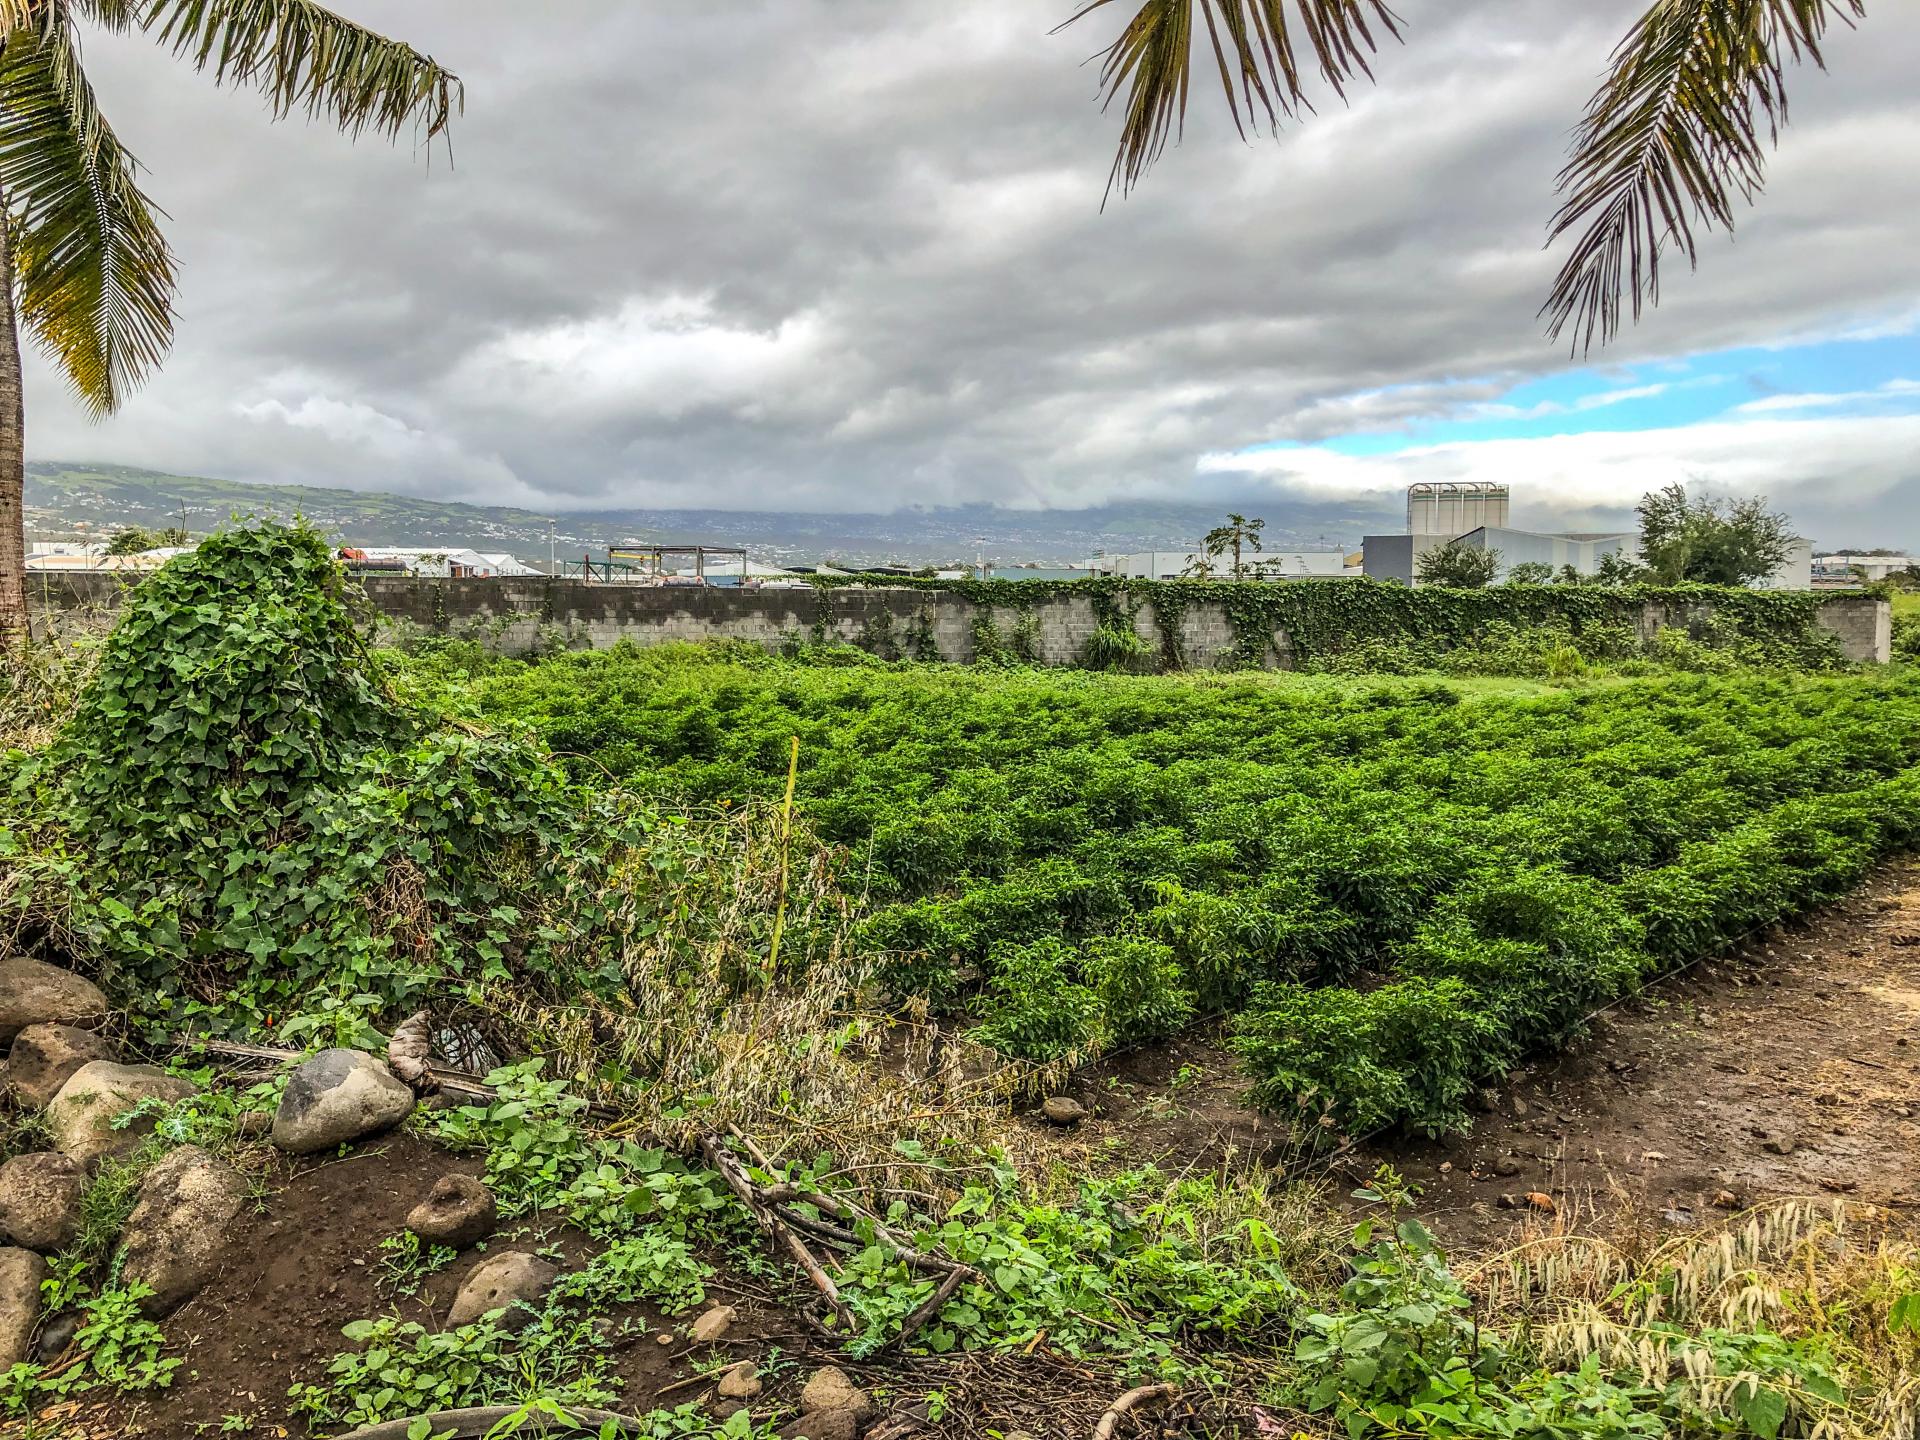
[
  {"x": 828, "y": 1388},
  {"x": 33, "y": 992},
  {"x": 81, "y": 1116},
  {"x": 458, "y": 1211},
  {"x": 335, "y": 1098},
  {"x": 740, "y": 1382},
  {"x": 712, "y": 1325},
  {"x": 1063, "y": 1110},
  {"x": 21, "y": 1272},
  {"x": 178, "y": 1230},
  {"x": 513, "y": 1281},
  {"x": 44, "y": 1057},
  {"x": 40, "y": 1201}
]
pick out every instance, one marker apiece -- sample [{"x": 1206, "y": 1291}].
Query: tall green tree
[
  {"x": 89, "y": 275},
  {"x": 1237, "y": 535},
  {"x": 1675, "y": 137},
  {"x": 1709, "y": 541}
]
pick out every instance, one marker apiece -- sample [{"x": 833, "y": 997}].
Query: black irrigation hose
[{"x": 474, "y": 1423}]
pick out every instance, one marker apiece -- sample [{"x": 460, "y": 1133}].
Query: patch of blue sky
[{"x": 1873, "y": 376}]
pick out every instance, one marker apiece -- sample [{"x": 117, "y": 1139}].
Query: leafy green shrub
[
  {"x": 1408, "y": 1051},
  {"x": 1037, "y": 1007}
]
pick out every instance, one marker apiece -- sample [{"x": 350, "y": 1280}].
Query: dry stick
[
  {"x": 1110, "y": 1421},
  {"x": 776, "y": 1228},
  {"x": 953, "y": 1274}
]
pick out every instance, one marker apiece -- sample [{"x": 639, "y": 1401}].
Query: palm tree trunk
[{"x": 13, "y": 458}]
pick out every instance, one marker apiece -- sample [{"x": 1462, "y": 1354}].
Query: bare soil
[
  {"x": 308, "y": 1263},
  {"x": 1788, "y": 1068}
]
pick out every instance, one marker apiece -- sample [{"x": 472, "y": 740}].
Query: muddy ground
[{"x": 1788, "y": 1068}]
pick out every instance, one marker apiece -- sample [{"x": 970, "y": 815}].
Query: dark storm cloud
[{"x": 846, "y": 254}]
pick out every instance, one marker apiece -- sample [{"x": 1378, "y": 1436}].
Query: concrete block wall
[{"x": 525, "y": 616}]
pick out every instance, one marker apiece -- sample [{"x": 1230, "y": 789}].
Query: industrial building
[{"x": 1431, "y": 509}]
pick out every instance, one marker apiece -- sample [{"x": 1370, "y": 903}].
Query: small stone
[
  {"x": 1726, "y": 1200},
  {"x": 740, "y": 1382},
  {"x": 1520, "y": 1108},
  {"x": 724, "y": 1410},
  {"x": 40, "y": 1201},
  {"x": 1510, "y": 1202},
  {"x": 1483, "y": 1102},
  {"x": 459, "y": 1211},
  {"x": 82, "y": 1114},
  {"x": 42, "y": 1059},
  {"x": 335, "y": 1098},
  {"x": 513, "y": 1281},
  {"x": 253, "y": 1124},
  {"x": 178, "y": 1232},
  {"x": 33, "y": 992},
  {"x": 21, "y": 1272},
  {"x": 828, "y": 1388},
  {"x": 1676, "y": 1216},
  {"x": 823, "y": 1425},
  {"x": 663, "y": 1341},
  {"x": 1508, "y": 1166},
  {"x": 1063, "y": 1110},
  {"x": 711, "y": 1326},
  {"x": 1778, "y": 1144}
]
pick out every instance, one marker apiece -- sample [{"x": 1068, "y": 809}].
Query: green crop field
[{"x": 1393, "y": 887}]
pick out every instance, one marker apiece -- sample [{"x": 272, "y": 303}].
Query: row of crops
[{"x": 1394, "y": 888}]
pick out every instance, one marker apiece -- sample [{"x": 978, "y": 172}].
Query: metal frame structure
[{"x": 656, "y": 565}]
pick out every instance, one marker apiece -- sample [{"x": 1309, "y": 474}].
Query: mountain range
[{"x": 66, "y": 500}]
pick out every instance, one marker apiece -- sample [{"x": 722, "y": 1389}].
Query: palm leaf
[
  {"x": 1254, "y": 50},
  {"x": 1675, "y": 135},
  {"x": 303, "y": 56},
  {"x": 95, "y": 275}
]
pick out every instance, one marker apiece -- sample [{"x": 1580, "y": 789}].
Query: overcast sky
[{"x": 849, "y": 255}]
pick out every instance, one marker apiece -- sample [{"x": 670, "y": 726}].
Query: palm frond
[
  {"x": 95, "y": 275},
  {"x": 1676, "y": 134},
  {"x": 303, "y": 56},
  {"x": 1254, "y": 50}
]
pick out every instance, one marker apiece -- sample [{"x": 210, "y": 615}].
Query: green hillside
[{"x": 65, "y": 499}]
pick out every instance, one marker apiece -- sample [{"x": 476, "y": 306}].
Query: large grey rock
[
  {"x": 458, "y": 1211},
  {"x": 335, "y": 1098},
  {"x": 40, "y": 1201},
  {"x": 33, "y": 992},
  {"x": 513, "y": 1281},
  {"x": 21, "y": 1272},
  {"x": 81, "y": 1116},
  {"x": 178, "y": 1231},
  {"x": 44, "y": 1057}
]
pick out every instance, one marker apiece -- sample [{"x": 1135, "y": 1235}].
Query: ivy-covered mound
[
  {"x": 1395, "y": 890},
  {"x": 242, "y": 823}
]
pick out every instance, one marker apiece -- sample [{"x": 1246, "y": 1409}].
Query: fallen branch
[
  {"x": 1133, "y": 1399},
  {"x": 770, "y": 1221}
]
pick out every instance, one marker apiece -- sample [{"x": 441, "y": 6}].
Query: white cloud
[
  {"x": 1824, "y": 472},
  {"x": 1776, "y": 404}
]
